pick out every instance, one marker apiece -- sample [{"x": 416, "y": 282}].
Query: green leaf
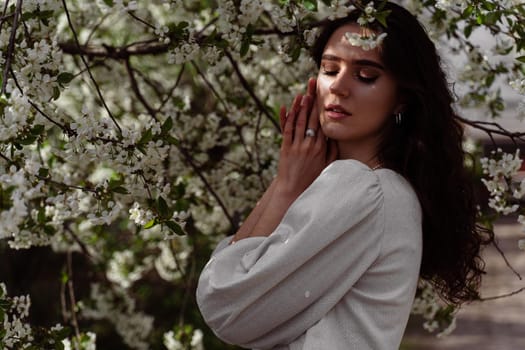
[
  {"x": 49, "y": 230},
  {"x": 146, "y": 137},
  {"x": 521, "y": 59},
  {"x": 173, "y": 226},
  {"x": 150, "y": 224},
  {"x": 468, "y": 30},
  {"x": 489, "y": 79},
  {"x": 108, "y": 2},
  {"x": 28, "y": 140},
  {"x": 382, "y": 16},
  {"x": 162, "y": 206},
  {"x": 56, "y": 93},
  {"x": 44, "y": 172},
  {"x": 65, "y": 78},
  {"x": 171, "y": 140},
  {"x": 246, "y": 40},
  {"x": 166, "y": 127},
  {"x": 5, "y": 304},
  {"x": 37, "y": 130},
  {"x": 310, "y": 5},
  {"x": 64, "y": 277},
  {"x": 41, "y": 217}
]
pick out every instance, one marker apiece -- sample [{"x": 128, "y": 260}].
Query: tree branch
[
  {"x": 136, "y": 90},
  {"x": 503, "y": 295},
  {"x": 4, "y": 17},
  {"x": 70, "y": 23},
  {"x": 71, "y": 293},
  {"x": 214, "y": 194},
  {"x": 250, "y": 91},
  {"x": 11, "y": 46},
  {"x": 492, "y": 128},
  {"x": 117, "y": 53}
]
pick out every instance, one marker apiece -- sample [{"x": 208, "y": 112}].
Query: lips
[{"x": 335, "y": 111}]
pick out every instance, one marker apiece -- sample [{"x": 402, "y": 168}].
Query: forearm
[
  {"x": 267, "y": 215},
  {"x": 248, "y": 225}
]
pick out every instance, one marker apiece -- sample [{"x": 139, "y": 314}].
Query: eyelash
[{"x": 366, "y": 80}]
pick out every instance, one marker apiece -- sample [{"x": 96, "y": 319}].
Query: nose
[{"x": 340, "y": 86}]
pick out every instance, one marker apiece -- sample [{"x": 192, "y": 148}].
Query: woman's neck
[{"x": 366, "y": 154}]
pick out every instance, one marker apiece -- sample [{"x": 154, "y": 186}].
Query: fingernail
[{"x": 303, "y": 100}]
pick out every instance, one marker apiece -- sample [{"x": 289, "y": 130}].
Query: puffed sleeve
[{"x": 262, "y": 292}]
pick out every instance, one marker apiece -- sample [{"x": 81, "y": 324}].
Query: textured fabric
[{"x": 339, "y": 272}]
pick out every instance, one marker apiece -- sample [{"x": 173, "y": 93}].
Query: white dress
[{"x": 338, "y": 273}]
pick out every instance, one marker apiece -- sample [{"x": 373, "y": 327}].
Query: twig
[
  {"x": 89, "y": 70},
  {"x": 495, "y": 244},
  {"x": 79, "y": 242},
  {"x": 4, "y": 17},
  {"x": 11, "y": 46},
  {"x": 136, "y": 90},
  {"x": 6, "y": 158},
  {"x": 88, "y": 39},
  {"x": 71, "y": 291},
  {"x": 141, "y": 20},
  {"x": 63, "y": 303},
  {"x": 172, "y": 90},
  {"x": 149, "y": 47},
  {"x": 214, "y": 194},
  {"x": 210, "y": 86},
  {"x": 503, "y": 295},
  {"x": 249, "y": 89},
  {"x": 56, "y": 183}
]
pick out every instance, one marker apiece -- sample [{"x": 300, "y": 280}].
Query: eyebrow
[{"x": 361, "y": 62}]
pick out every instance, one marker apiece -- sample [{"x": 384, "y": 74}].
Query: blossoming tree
[{"x": 135, "y": 134}]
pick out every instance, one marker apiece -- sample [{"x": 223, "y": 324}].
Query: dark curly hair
[{"x": 427, "y": 150}]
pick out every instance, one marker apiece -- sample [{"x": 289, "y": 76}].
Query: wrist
[{"x": 284, "y": 193}]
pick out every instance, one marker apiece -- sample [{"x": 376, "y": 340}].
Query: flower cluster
[
  {"x": 366, "y": 42},
  {"x": 500, "y": 171},
  {"x": 174, "y": 340},
  {"x": 451, "y": 4},
  {"x": 438, "y": 317},
  {"x": 368, "y": 15}
]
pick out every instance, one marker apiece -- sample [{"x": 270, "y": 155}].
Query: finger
[
  {"x": 310, "y": 90},
  {"x": 282, "y": 117},
  {"x": 313, "y": 118},
  {"x": 289, "y": 124},
  {"x": 300, "y": 124}
]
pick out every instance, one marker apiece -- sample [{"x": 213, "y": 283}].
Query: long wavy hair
[{"x": 426, "y": 148}]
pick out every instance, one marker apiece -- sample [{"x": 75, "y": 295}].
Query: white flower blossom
[
  {"x": 123, "y": 269},
  {"x": 366, "y": 42}
]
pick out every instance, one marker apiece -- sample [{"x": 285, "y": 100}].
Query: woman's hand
[{"x": 302, "y": 156}]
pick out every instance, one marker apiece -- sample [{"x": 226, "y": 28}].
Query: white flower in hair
[
  {"x": 366, "y": 42},
  {"x": 368, "y": 15}
]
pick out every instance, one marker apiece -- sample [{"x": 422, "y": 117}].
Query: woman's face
[{"x": 355, "y": 94}]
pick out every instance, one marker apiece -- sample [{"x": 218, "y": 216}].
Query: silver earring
[{"x": 399, "y": 118}]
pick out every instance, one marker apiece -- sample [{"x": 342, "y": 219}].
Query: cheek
[
  {"x": 323, "y": 84},
  {"x": 322, "y": 88}
]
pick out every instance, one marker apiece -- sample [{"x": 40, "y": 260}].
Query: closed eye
[
  {"x": 366, "y": 75},
  {"x": 365, "y": 79},
  {"x": 329, "y": 72}
]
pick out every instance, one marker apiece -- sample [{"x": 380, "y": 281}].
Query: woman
[{"x": 370, "y": 195}]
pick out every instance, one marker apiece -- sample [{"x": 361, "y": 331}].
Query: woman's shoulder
[{"x": 386, "y": 181}]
